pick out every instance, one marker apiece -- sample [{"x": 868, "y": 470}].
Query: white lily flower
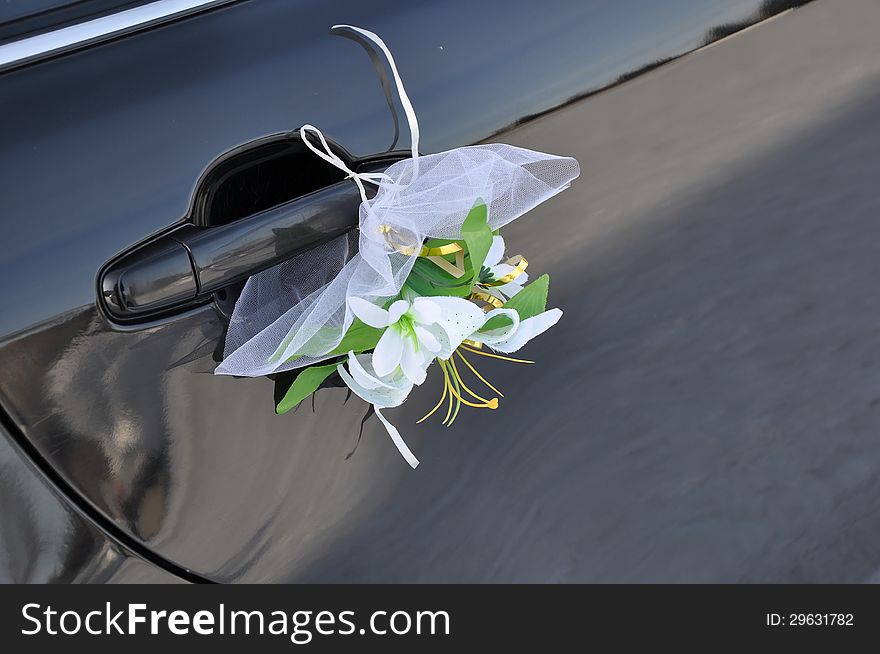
[
  {"x": 521, "y": 332},
  {"x": 418, "y": 330},
  {"x": 406, "y": 343},
  {"x": 382, "y": 391},
  {"x": 498, "y": 270}
]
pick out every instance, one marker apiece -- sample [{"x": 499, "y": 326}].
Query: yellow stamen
[
  {"x": 479, "y": 376},
  {"x": 432, "y": 411},
  {"x": 464, "y": 386},
  {"x": 495, "y": 356},
  {"x": 493, "y": 404},
  {"x": 453, "y": 384}
]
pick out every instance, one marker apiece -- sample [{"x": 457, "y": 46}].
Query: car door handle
[{"x": 184, "y": 266}]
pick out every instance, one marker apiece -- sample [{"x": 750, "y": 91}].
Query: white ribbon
[
  {"x": 373, "y": 178},
  {"x": 332, "y": 158},
  {"x": 397, "y": 439}
]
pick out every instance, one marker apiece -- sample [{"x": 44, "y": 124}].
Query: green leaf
[
  {"x": 532, "y": 300},
  {"x": 306, "y": 383},
  {"x": 529, "y": 302},
  {"x": 359, "y": 338},
  {"x": 422, "y": 286},
  {"x": 437, "y": 242},
  {"x": 477, "y": 236},
  {"x": 433, "y": 273},
  {"x": 428, "y": 279},
  {"x": 497, "y": 322}
]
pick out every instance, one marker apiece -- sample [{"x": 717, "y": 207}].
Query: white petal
[
  {"x": 426, "y": 311},
  {"x": 386, "y": 356},
  {"x": 380, "y": 397},
  {"x": 501, "y": 269},
  {"x": 368, "y": 312},
  {"x": 460, "y": 318},
  {"x": 427, "y": 339},
  {"x": 496, "y": 251},
  {"x": 397, "y": 309},
  {"x": 398, "y": 441},
  {"x": 443, "y": 339},
  {"x": 413, "y": 364},
  {"x": 361, "y": 375},
  {"x": 528, "y": 329},
  {"x": 501, "y": 334},
  {"x": 510, "y": 289}
]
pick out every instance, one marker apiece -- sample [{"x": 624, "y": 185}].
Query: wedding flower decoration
[
  {"x": 429, "y": 282},
  {"x": 448, "y": 323}
]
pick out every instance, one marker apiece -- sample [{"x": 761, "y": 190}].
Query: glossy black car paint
[
  {"x": 705, "y": 411},
  {"x": 47, "y": 539}
]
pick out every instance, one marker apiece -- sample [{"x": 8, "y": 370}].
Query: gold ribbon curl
[
  {"x": 435, "y": 255},
  {"x": 492, "y": 302},
  {"x": 519, "y": 263}
]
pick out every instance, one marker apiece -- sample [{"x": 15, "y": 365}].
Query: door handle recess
[{"x": 184, "y": 266}]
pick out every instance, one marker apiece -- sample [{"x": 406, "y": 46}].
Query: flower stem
[
  {"x": 453, "y": 388},
  {"x": 446, "y": 386}
]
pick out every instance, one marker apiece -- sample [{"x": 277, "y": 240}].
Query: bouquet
[{"x": 426, "y": 281}]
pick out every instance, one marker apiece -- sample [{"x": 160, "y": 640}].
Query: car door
[{"x": 621, "y": 454}]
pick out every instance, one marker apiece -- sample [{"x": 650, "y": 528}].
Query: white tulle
[{"x": 297, "y": 313}]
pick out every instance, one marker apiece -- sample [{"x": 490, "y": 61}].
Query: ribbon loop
[
  {"x": 332, "y": 158},
  {"x": 401, "y": 91}
]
